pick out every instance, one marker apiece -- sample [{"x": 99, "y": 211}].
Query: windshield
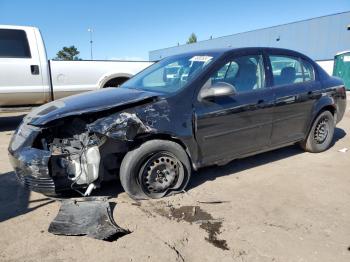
[{"x": 170, "y": 74}]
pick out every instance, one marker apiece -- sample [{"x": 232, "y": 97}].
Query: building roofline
[{"x": 253, "y": 30}]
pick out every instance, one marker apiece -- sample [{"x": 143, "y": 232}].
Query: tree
[
  {"x": 68, "y": 53},
  {"x": 192, "y": 39}
]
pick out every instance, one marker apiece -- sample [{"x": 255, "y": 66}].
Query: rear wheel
[
  {"x": 155, "y": 169},
  {"x": 321, "y": 133}
]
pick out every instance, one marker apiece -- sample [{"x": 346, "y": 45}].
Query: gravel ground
[{"x": 284, "y": 205}]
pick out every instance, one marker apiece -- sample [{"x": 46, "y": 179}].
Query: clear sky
[{"x": 129, "y": 29}]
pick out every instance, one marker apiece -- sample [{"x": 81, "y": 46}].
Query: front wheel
[
  {"x": 155, "y": 169},
  {"x": 321, "y": 133}
]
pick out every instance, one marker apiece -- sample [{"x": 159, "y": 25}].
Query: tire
[
  {"x": 155, "y": 169},
  {"x": 115, "y": 82},
  {"x": 321, "y": 133}
]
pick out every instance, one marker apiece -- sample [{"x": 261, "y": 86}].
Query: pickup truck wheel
[
  {"x": 155, "y": 169},
  {"x": 321, "y": 133},
  {"x": 116, "y": 82}
]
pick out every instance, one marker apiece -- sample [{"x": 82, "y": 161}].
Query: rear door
[
  {"x": 21, "y": 81},
  {"x": 293, "y": 80},
  {"x": 227, "y": 127}
]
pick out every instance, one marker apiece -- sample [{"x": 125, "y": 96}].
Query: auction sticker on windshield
[{"x": 202, "y": 58}]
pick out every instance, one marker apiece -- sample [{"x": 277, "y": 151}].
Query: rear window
[
  {"x": 14, "y": 44},
  {"x": 288, "y": 70}
]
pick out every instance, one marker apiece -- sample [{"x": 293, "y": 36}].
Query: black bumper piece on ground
[{"x": 92, "y": 217}]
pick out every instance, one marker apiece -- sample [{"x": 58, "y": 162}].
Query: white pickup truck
[{"x": 27, "y": 78}]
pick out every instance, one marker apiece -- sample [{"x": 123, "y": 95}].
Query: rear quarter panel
[{"x": 331, "y": 96}]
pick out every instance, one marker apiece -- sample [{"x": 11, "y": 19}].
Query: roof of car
[{"x": 229, "y": 50}]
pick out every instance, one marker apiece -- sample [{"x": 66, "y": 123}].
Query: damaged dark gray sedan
[{"x": 182, "y": 113}]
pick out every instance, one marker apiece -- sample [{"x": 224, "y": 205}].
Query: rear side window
[
  {"x": 14, "y": 44},
  {"x": 288, "y": 70},
  {"x": 309, "y": 74}
]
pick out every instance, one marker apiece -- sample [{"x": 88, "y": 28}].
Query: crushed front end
[
  {"x": 49, "y": 160},
  {"x": 72, "y": 153},
  {"x": 31, "y": 165}
]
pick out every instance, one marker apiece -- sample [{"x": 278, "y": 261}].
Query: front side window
[
  {"x": 288, "y": 70},
  {"x": 170, "y": 74},
  {"x": 14, "y": 44},
  {"x": 245, "y": 73}
]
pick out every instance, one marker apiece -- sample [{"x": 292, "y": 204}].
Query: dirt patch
[{"x": 194, "y": 214}]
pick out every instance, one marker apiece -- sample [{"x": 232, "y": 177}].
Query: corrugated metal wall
[{"x": 320, "y": 38}]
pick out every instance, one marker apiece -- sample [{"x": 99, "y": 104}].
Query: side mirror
[{"x": 216, "y": 90}]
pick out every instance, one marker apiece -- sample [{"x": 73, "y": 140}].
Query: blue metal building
[{"x": 320, "y": 38}]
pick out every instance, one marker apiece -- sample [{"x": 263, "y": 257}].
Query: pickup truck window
[
  {"x": 170, "y": 74},
  {"x": 14, "y": 44}
]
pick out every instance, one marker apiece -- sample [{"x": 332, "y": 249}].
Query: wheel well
[
  {"x": 328, "y": 108},
  {"x": 115, "y": 82},
  {"x": 141, "y": 139}
]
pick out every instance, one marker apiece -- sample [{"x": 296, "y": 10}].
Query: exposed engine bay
[
  {"x": 79, "y": 150},
  {"x": 76, "y": 154}
]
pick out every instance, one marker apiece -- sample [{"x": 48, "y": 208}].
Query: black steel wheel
[
  {"x": 321, "y": 130},
  {"x": 155, "y": 169},
  {"x": 161, "y": 173},
  {"x": 321, "y": 133}
]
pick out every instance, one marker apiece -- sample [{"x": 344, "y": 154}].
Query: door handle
[{"x": 34, "y": 69}]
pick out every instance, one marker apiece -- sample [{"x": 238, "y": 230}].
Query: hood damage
[{"x": 122, "y": 126}]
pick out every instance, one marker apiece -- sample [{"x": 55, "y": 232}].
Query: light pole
[{"x": 91, "y": 31}]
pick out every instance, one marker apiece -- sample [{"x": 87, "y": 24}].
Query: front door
[{"x": 241, "y": 123}]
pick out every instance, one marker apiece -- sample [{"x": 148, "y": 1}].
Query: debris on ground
[
  {"x": 343, "y": 150},
  {"x": 194, "y": 214},
  {"x": 212, "y": 202},
  {"x": 92, "y": 217}
]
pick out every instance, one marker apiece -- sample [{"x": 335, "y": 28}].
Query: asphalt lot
[{"x": 284, "y": 205}]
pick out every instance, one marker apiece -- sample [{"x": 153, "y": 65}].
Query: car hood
[{"x": 88, "y": 102}]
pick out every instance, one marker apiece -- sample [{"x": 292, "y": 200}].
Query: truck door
[{"x": 21, "y": 81}]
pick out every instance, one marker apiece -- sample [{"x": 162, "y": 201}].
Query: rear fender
[{"x": 323, "y": 103}]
